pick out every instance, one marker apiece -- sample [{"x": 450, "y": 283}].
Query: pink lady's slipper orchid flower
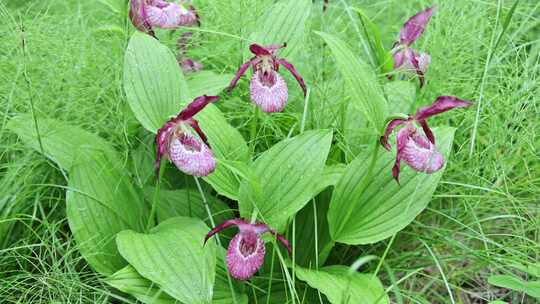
[
  {"x": 416, "y": 149},
  {"x": 267, "y": 88},
  {"x": 245, "y": 254},
  {"x": 188, "y": 150},
  {"x": 405, "y": 58},
  {"x": 147, "y": 14}
]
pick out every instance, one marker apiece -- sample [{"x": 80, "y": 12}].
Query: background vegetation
[{"x": 64, "y": 60}]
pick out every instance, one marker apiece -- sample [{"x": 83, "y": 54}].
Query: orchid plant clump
[
  {"x": 183, "y": 142},
  {"x": 275, "y": 188}
]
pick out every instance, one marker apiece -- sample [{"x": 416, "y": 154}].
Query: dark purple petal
[
  {"x": 269, "y": 97},
  {"x": 441, "y": 105},
  {"x": 399, "y": 58},
  {"x": 415, "y": 26},
  {"x": 224, "y": 225},
  {"x": 427, "y": 130},
  {"x": 274, "y": 47},
  {"x": 162, "y": 141},
  {"x": 195, "y": 125},
  {"x": 389, "y": 129},
  {"x": 191, "y": 155},
  {"x": 421, "y": 155},
  {"x": 241, "y": 71},
  {"x": 414, "y": 61},
  {"x": 245, "y": 254},
  {"x": 282, "y": 240},
  {"x": 401, "y": 139},
  {"x": 293, "y": 71},
  {"x": 259, "y": 50},
  {"x": 196, "y": 106}
]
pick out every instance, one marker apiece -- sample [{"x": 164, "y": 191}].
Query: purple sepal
[
  {"x": 245, "y": 254},
  {"x": 389, "y": 129},
  {"x": 259, "y": 50},
  {"x": 441, "y": 105},
  {"x": 415, "y": 26},
  {"x": 196, "y": 106}
]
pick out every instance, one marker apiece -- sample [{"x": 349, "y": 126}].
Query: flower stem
[
  {"x": 155, "y": 200},
  {"x": 304, "y": 114},
  {"x": 213, "y": 223}
]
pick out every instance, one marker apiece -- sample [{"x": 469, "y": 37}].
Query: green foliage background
[{"x": 66, "y": 58}]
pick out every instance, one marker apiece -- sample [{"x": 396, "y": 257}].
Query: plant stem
[
  {"x": 155, "y": 199},
  {"x": 218, "y": 240},
  {"x": 304, "y": 114}
]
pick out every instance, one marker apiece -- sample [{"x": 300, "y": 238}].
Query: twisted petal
[
  {"x": 282, "y": 240},
  {"x": 271, "y": 98},
  {"x": 196, "y": 106},
  {"x": 415, "y": 26},
  {"x": 427, "y": 130},
  {"x": 241, "y": 71},
  {"x": 245, "y": 254},
  {"x": 389, "y": 129},
  {"x": 224, "y": 225},
  {"x": 293, "y": 71},
  {"x": 421, "y": 155},
  {"x": 441, "y": 105},
  {"x": 191, "y": 155}
]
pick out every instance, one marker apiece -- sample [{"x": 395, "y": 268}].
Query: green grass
[{"x": 485, "y": 214}]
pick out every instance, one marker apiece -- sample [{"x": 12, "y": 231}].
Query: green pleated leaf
[
  {"x": 361, "y": 82},
  {"x": 207, "y": 83},
  {"x": 531, "y": 288},
  {"x": 128, "y": 280},
  {"x": 288, "y": 174},
  {"x": 173, "y": 256},
  {"x": 363, "y": 214},
  {"x": 342, "y": 287},
  {"x": 187, "y": 202},
  {"x": 532, "y": 269},
  {"x": 226, "y": 143},
  {"x": 385, "y": 61},
  {"x": 154, "y": 84},
  {"x": 401, "y": 95},
  {"x": 284, "y": 22},
  {"x": 63, "y": 144},
  {"x": 101, "y": 202}
]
